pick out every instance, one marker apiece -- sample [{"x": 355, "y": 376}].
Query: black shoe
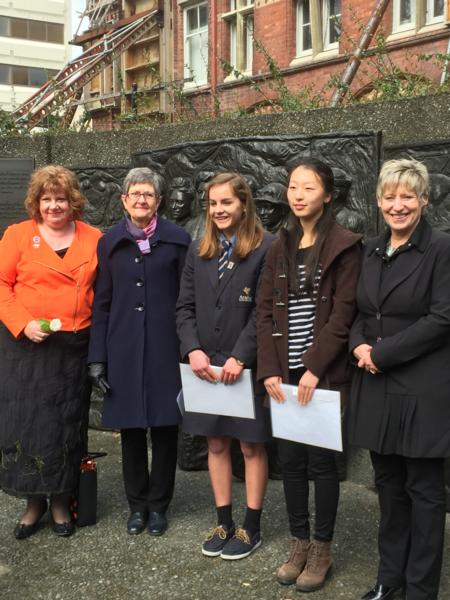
[
  {"x": 241, "y": 544},
  {"x": 381, "y": 592},
  {"x": 65, "y": 529},
  {"x": 217, "y": 539},
  {"x": 23, "y": 531},
  {"x": 157, "y": 523},
  {"x": 137, "y": 522}
]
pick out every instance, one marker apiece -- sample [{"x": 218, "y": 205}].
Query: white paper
[
  {"x": 232, "y": 400},
  {"x": 317, "y": 423}
]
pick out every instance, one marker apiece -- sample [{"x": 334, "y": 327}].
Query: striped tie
[{"x": 224, "y": 256}]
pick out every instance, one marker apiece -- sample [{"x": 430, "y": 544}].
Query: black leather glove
[{"x": 97, "y": 375}]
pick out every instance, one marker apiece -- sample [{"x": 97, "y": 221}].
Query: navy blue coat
[{"x": 133, "y": 326}]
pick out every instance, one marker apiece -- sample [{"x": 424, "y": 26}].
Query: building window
[
  {"x": 413, "y": 14},
  {"x": 318, "y": 26},
  {"x": 196, "y": 44},
  {"x": 28, "y": 29},
  {"x": 303, "y": 38},
  {"x": 435, "y": 11},
  {"x": 25, "y": 76},
  {"x": 240, "y": 24},
  {"x": 331, "y": 23},
  {"x": 404, "y": 17}
]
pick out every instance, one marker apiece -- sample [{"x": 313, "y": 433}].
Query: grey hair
[
  {"x": 408, "y": 172},
  {"x": 143, "y": 175}
]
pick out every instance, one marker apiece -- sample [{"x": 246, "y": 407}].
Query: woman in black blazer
[
  {"x": 400, "y": 400},
  {"x": 216, "y": 326}
]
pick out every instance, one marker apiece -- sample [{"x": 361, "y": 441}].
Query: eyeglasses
[{"x": 137, "y": 195}]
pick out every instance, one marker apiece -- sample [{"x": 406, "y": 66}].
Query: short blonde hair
[
  {"x": 54, "y": 177},
  {"x": 408, "y": 172}
]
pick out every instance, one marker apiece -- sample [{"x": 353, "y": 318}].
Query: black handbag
[{"x": 84, "y": 503}]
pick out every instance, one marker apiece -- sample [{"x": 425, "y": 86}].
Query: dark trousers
[
  {"x": 149, "y": 491},
  {"x": 411, "y": 494},
  {"x": 298, "y": 463}
]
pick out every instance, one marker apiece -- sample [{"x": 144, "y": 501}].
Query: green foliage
[{"x": 7, "y": 124}]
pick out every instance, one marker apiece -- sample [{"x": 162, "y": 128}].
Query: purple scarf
[{"x": 142, "y": 235}]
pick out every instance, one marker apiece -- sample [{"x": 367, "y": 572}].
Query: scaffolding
[
  {"x": 67, "y": 85},
  {"x": 99, "y": 13}
]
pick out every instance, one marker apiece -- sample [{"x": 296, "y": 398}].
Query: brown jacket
[{"x": 327, "y": 357}]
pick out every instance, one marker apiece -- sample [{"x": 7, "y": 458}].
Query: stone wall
[{"x": 408, "y": 121}]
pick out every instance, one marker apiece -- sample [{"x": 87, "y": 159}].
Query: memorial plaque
[
  {"x": 102, "y": 187},
  {"x": 436, "y": 157},
  {"x": 14, "y": 177},
  {"x": 265, "y": 163}
]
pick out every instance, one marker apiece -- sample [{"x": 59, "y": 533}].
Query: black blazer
[
  {"x": 220, "y": 318},
  {"x": 405, "y": 315}
]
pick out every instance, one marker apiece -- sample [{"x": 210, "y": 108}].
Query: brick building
[
  {"x": 220, "y": 44},
  {"x": 221, "y": 56}
]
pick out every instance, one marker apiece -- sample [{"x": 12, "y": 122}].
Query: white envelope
[
  {"x": 317, "y": 423},
  {"x": 232, "y": 400}
]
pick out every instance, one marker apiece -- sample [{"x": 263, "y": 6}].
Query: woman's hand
[
  {"x": 273, "y": 387},
  {"x": 362, "y": 354},
  {"x": 199, "y": 362},
  {"x": 230, "y": 371},
  {"x": 34, "y": 333},
  {"x": 306, "y": 386}
]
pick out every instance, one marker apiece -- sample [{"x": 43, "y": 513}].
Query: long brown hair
[
  {"x": 250, "y": 232},
  {"x": 293, "y": 233}
]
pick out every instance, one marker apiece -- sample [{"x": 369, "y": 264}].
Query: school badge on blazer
[{"x": 245, "y": 296}]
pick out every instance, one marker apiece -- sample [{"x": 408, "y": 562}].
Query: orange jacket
[{"x": 36, "y": 283}]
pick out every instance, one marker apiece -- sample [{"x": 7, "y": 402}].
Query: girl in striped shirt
[{"x": 305, "y": 307}]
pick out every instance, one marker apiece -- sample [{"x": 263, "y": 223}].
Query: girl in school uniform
[
  {"x": 306, "y": 305},
  {"x": 216, "y": 324}
]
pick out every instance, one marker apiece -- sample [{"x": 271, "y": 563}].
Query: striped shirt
[{"x": 301, "y": 314}]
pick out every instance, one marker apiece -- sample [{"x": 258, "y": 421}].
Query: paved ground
[{"x": 105, "y": 563}]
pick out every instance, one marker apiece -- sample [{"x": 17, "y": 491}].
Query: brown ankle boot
[
  {"x": 291, "y": 569},
  {"x": 318, "y": 567}
]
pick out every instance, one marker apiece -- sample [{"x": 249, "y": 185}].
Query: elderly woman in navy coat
[
  {"x": 216, "y": 325},
  {"x": 134, "y": 348},
  {"x": 400, "y": 400}
]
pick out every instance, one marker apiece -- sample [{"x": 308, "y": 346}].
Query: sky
[{"x": 77, "y": 8}]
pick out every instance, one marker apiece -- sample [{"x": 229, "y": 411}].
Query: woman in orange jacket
[{"x": 47, "y": 270}]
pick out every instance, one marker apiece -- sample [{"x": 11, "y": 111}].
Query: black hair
[{"x": 293, "y": 232}]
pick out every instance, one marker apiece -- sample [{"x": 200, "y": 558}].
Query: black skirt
[
  {"x": 44, "y": 411},
  {"x": 245, "y": 430}
]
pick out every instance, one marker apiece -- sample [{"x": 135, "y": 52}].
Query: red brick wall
[{"x": 274, "y": 27}]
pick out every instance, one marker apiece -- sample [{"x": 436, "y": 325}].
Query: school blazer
[{"x": 220, "y": 318}]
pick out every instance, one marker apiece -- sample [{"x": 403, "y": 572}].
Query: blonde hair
[
  {"x": 250, "y": 232},
  {"x": 50, "y": 178},
  {"x": 408, "y": 172}
]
